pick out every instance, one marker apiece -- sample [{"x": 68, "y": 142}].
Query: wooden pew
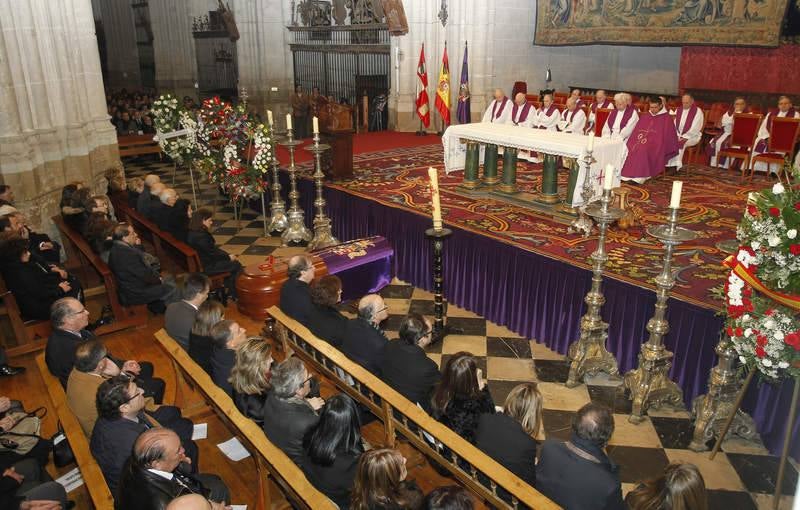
[
  {"x": 401, "y": 416},
  {"x": 124, "y": 316},
  {"x": 137, "y": 145},
  {"x": 92, "y": 475},
  {"x": 272, "y": 465},
  {"x": 31, "y": 335}
]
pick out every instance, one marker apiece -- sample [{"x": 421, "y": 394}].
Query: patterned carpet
[{"x": 742, "y": 477}]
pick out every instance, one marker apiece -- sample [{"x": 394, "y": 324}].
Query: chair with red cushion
[
  {"x": 600, "y": 118},
  {"x": 782, "y": 139},
  {"x": 532, "y": 97},
  {"x": 560, "y": 97},
  {"x": 743, "y": 138}
]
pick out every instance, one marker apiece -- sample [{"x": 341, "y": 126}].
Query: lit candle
[
  {"x": 608, "y": 182},
  {"x": 437, "y": 206},
  {"x": 269, "y": 117},
  {"x": 288, "y": 121},
  {"x": 675, "y": 201},
  {"x": 591, "y": 142},
  {"x": 315, "y": 123}
]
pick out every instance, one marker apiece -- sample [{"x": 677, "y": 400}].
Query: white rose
[
  {"x": 748, "y": 332},
  {"x": 742, "y": 359},
  {"x": 766, "y": 362},
  {"x": 791, "y": 234},
  {"x": 769, "y": 324},
  {"x": 777, "y": 188},
  {"x": 783, "y": 364},
  {"x": 746, "y": 318},
  {"x": 755, "y": 245},
  {"x": 778, "y": 334},
  {"x": 774, "y": 241}
]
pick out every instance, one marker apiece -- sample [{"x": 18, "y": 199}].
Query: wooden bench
[
  {"x": 31, "y": 335},
  {"x": 401, "y": 416},
  {"x": 124, "y": 316},
  {"x": 272, "y": 465},
  {"x": 92, "y": 475},
  {"x": 137, "y": 145}
]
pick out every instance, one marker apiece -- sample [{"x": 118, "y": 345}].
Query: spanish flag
[{"x": 443, "y": 89}]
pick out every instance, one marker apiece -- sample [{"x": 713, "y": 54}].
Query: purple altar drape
[{"x": 542, "y": 298}]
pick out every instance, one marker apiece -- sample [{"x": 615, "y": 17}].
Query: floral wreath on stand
[
  {"x": 169, "y": 116},
  {"x": 762, "y": 293}
]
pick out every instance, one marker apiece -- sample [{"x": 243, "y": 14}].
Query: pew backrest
[{"x": 30, "y": 335}]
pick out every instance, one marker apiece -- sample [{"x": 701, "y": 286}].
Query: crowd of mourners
[{"x": 131, "y": 111}]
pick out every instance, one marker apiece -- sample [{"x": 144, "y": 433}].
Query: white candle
[
  {"x": 675, "y": 201},
  {"x": 591, "y": 142},
  {"x": 288, "y": 121},
  {"x": 315, "y": 123},
  {"x": 437, "y": 206},
  {"x": 269, "y": 117},
  {"x": 608, "y": 182}
]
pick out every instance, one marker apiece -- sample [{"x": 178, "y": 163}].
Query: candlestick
[
  {"x": 590, "y": 148},
  {"x": 675, "y": 199},
  {"x": 277, "y": 208},
  {"x": 323, "y": 235},
  {"x": 435, "y": 203},
  {"x": 649, "y": 383},
  {"x": 588, "y": 354},
  {"x": 608, "y": 181},
  {"x": 288, "y": 122},
  {"x": 296, "y": 231},
  {"x": 315, "y": 124},
  {"x": 269, "y": 118}
]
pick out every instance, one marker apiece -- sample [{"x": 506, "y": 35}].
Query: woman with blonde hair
[
  {"x": 380, "y": 483},
  {"x": 510, "y": 437},
  {"x": 200, "y": 345},
  {"x": 250, "y": 377},
  {"x": 681, "y": 487}
]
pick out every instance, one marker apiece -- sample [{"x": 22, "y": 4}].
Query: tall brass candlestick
[
  {"x": 323, "y": 235},
  {"x": 649, "y": 383},
  {"x": 278, "y": 220},
  {"x": 588, "y": 354},
  {"x": 296, "y": 231}
]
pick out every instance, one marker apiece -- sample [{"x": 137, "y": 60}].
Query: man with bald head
[
  {"x": 622, "y": 119},
  {"x": 499, "y": 110},
  {"x": 785, "y": 109},
  {"x": 364, "y": 341},
  {"x": 522, "y": 113},
  {"x": 151, "y": 480},
  {"x": 600, "y": 101},
  {"x": 548, "y": 116},
  {"x": 296, "y": 293},
  {"x": 143, "y": 201},
  {"x": 573, "y": 118},
  {"x": 689, "y": 123}
]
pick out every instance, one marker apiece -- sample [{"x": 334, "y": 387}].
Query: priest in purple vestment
[{"x": 652, "y": 144}]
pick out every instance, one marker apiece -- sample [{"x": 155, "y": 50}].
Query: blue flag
[{"x": 463, "y": 92}]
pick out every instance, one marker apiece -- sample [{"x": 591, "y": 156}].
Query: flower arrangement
[
  {"x": 170, "y": 116},
  {"x": 762, "y": 292}
]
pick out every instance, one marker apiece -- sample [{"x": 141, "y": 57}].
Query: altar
[{"x": 468, "y": 145}]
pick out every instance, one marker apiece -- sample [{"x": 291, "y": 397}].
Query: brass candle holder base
[
  {"x": 296, "y": 231},
  {"x": 323, "y": 233}
]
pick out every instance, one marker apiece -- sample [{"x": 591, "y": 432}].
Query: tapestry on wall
[{"x": 659, "y": 22}]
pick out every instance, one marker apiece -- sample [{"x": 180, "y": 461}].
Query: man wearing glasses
[
  {"x": 364, "y": 340},
  {"x": 69, "y": 319}
]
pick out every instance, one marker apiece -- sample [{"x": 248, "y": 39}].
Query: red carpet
[{"x": 365, "y": 142}]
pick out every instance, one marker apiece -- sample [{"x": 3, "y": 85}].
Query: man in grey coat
[{"x": 180, "y": 315}]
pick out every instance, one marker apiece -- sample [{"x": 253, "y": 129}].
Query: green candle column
[
  {"x": 509, "y": 184},
  {"x": 471, "y": 166},
  {"x": 490, "y": 165},
  {"x": 549, "y": 193}
]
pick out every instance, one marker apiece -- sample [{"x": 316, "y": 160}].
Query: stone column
[
  {"x": 122, "y": 52},
  {"x": 173, "y": 46},
  {"x": 54, "y": 127}
]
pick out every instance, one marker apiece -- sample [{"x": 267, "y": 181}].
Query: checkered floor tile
[{"x": 742, "y": 477}]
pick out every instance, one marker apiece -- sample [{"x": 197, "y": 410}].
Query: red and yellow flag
[
  {"x": 423, "y": 104},
  {"x": 443, "y": 89}
]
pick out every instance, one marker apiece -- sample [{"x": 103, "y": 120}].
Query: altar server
[
  {"x": 785, "y": 109},
  {"x": 622, "y": 119},
  {"x": 573, "y": 118},
  {"x": 723, "y": 140},
  {"x": 548, "y": 116},
  {"x": 499, "y": 110},
  {"x": 689, "y": 124},
  {"x": 522, "y": 113},
  {"x": 600, "y": 101}
]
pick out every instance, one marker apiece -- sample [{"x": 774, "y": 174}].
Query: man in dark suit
[
  {"x": 137, "y": 282},
  {"x": 578, "y": 475},
  {"x": 289, "y": 412},
  {"x": 143, "y": 201},
  {"x": 296, "y": 293},
  {"x": 151, "y": 479},
  {"x": 180, "y": 315},
  {"x": 364, "y": 341},
  {"x": 226, "y": 337},
  {"x": 69, "y": 319},
  {"x": 156, "y": 207},
  {"x": 406, "y": 367},
  {"x": 122, "y": 418}
]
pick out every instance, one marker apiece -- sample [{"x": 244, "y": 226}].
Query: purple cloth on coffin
[
  {"x": 364, "y": 265},
  {"x": 652, "y": 144}
]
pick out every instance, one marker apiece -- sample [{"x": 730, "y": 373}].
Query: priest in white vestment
[
  {"x": 522, "y": 113},
  {"x": 622, "y": 119},
  {"x": 689, "y": 123},
  {"x": 573, "y": 119},
  {"x": 549, "y": 116},
  {"x": 576, "y": 93},
  {"x": 499, "y": 110},
  {"x": 722, "y": 140},
  {"x": 785, "y": 109},
  {"x": 600, "y": 101}
]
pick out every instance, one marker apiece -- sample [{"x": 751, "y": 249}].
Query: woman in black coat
[
  {"x": 215, "y": 260},
  {"x": 334, "y": 448},
  {"x": 250, "y": 377},
  {"x": 178, "y": 218},
  {"x": 462, "y": 396},
  {"x": 200, "y": 344},
  {"x": 325, "y": 321}
]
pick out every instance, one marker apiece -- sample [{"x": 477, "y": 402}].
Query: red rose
[
  {"x": 769, "y": 312},
  {"x": 794, "y": 249},
  {"x": 739, "y": 332},
  {"x": 774, "y": 211},
  {"x": 752, "y": 210},
  {"x": 730, "y": 331},
  {"x": 792, "y": 340},
  {"x": 761, "y": 353},
  {"x": 761, "y": 340},
  {"x": 797, "y": 206}
]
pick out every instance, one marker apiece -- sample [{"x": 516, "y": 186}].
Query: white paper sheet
[
  {"x": 238, "y": 507},
  {"x": 200, "y": 431},
  {"x": 233, "y": 449},
  {"x": 71, "y": 480}
]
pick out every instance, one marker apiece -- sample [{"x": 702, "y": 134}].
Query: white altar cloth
[{"x": 570, "y": 145}]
